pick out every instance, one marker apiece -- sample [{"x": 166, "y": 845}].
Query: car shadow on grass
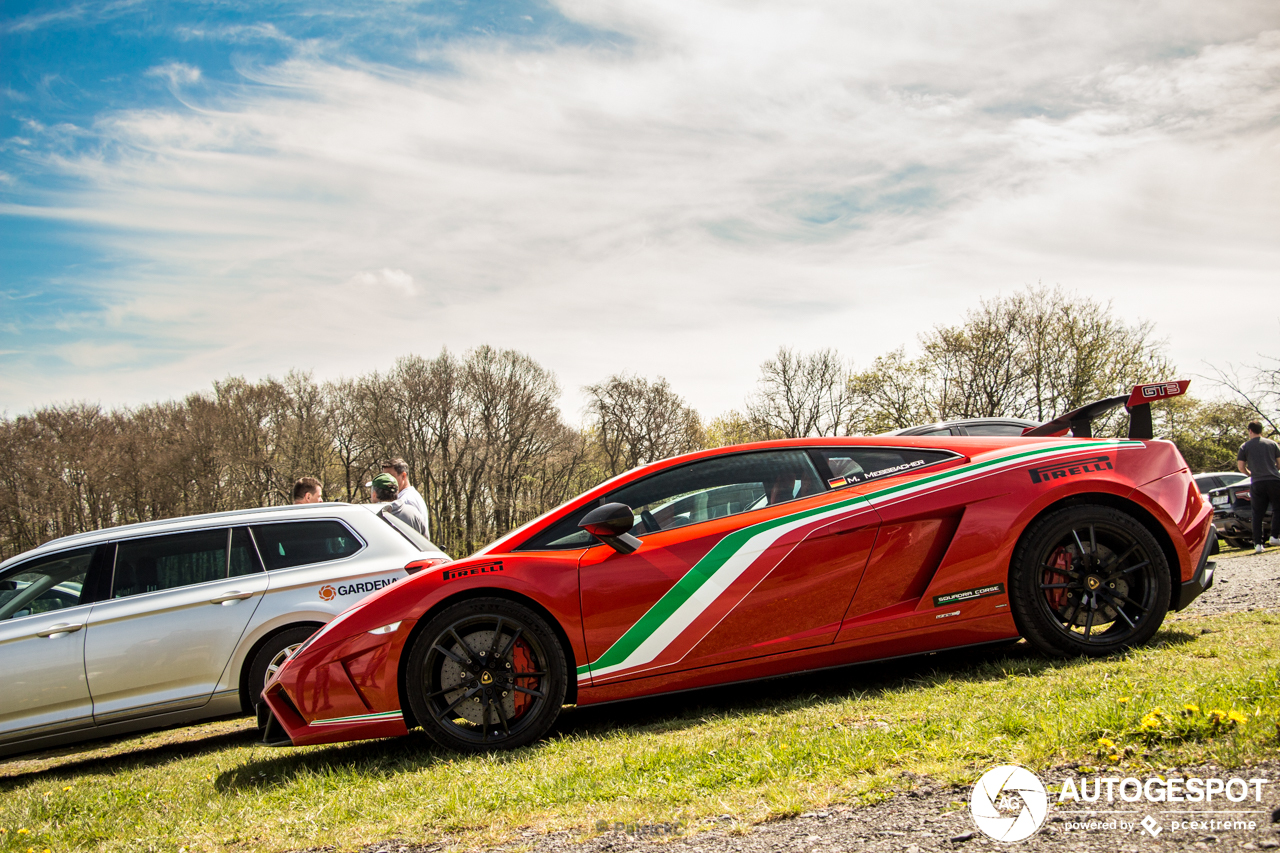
[
  {"x": 677, "y": 711},
  {"x": 374, "y": 758},
  {"x": 115, "y": 762}
]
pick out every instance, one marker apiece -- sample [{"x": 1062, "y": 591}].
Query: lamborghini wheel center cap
[
  {"x": 1093, "y": 582},
  {"x": 486, "y": 678}
]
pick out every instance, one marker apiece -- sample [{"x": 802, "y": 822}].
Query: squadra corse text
[{"x": 1157, "y": 790}]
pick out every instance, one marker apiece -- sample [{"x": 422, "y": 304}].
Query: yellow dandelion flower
[
  {"x": 1123, "y": 700},
  {"x": 24, "y": 831},
  {"x": 1106, "y": 743},
  {"x": 1237, "y": 717},
  {"x": 1191, "y": 709},
  {"x": 1114, "y": 756},
  {"x": 68, "y": 788},
  {"x": 1150, "y": 722}
]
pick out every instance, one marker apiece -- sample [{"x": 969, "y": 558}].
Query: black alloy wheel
[
  {"x": 1088, "y": 580},
  {"x": 484, "y": 674}
]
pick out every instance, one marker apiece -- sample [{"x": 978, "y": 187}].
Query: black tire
[
  {"x": 271, "y": 655},
  {"x": 1088, "y": 580},
  {"x": 463, "y": 676}
]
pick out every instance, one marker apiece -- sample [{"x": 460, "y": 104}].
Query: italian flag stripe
[{"x": 361, "y": 718}]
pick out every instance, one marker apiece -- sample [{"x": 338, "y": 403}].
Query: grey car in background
[
  {"x": 1210, "y": 480},
  {"x": 172, "y": 621},
  {"x": 971, "y": 426}
]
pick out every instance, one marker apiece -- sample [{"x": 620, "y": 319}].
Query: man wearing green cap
[{"x": 383, "y": 489}]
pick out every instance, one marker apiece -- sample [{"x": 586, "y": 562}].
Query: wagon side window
[
  {"x": 44, "y": 584},
  {"x": 301, "y": 543},
  {"x": 158, "y": 563}
]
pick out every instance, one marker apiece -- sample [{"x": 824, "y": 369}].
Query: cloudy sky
[{"x": 665, "y": 187}]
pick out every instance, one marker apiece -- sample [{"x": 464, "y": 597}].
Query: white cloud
[
  {"x": 723, "y": 180},
  {"x": 398, "y": 281},
  {"x": 177, "y": 73}
]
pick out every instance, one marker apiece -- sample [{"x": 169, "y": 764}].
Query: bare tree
[
  {"x": 513, "y": 403},
  {"x": 1256, "y": 388},
  {"x": 633, "y": 421},
  {"x": 1033, "y": 355},
  {"x": 894, "y": 393},
  {"x": 801, "y": 395},
  {"x": 733, "y": 427}
]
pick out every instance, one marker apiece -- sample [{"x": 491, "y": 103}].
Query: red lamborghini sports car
[{"x": 760, "y": 560}]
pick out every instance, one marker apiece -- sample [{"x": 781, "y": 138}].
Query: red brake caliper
[
  {"x": 522, "y": 661},
  {"x": 1061, "y": 559}
]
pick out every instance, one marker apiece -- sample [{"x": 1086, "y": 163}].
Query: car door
[
  {"x": 177, "y": 607},
  {"x": 739, "y": 557},
  {"x": 915, "y": 533},
  {"x": 43, "y": 608}
]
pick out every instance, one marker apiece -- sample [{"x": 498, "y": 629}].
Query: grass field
[{"x": 1205, "y": 691}]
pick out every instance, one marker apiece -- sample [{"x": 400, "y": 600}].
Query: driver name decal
[{"x": 1074, "y": 468}]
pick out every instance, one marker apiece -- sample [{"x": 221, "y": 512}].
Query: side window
[
  {"x": 168, "y": 562},
  {"x": 45, "y": 584},
  {"x": 242, "y": 559},
  {"x": 299, "y": 543},
  {"x": 849, "y": 465},
  {"x": 700, "y": 491},
  {"x": 715, "y": 488}
]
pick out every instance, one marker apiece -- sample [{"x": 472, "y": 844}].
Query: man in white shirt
[{"x": 399, "y": 469}]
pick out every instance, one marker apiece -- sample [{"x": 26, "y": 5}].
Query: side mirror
[{"x": 609, "y": 524}]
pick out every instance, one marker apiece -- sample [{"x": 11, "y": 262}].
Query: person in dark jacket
[{"x": 1257, "y": 458}]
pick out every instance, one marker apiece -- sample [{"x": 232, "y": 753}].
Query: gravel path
[
  {"x": 1242, "y": 580},
  {"x": 935, "y": 818}
]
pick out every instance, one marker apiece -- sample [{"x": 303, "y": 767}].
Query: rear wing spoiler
[{"x": 1137, "y": 402}]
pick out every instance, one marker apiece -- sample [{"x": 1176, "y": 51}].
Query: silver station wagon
[{"x": 172, "y": 621}]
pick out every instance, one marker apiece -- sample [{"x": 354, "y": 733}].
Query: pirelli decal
[
  {"x": 1074, "y": 468},
  {"x": 468, "y": 571},
  {"x": 968, "y": 595}
]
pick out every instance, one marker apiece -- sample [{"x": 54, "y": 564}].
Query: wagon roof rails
[{"x": 1137, "y": 402}]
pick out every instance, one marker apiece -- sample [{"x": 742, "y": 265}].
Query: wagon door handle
[
  {"x": 59, "y": 629},
  {"x": 231, "y": 597}
]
